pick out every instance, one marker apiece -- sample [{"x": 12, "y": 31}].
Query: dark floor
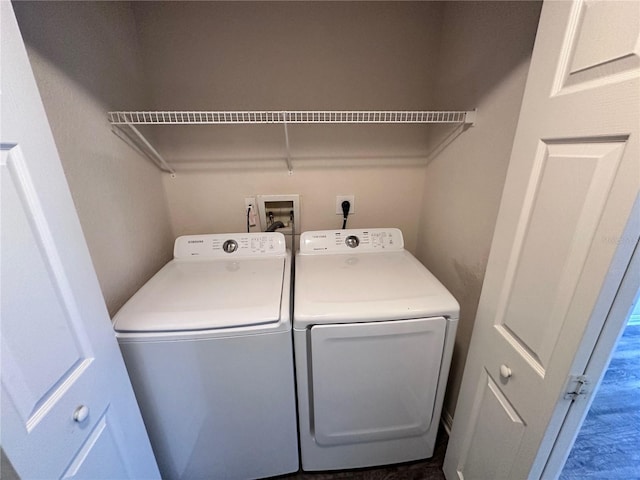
[
  {"x": 608, "y": 445},
  {"x": 430, "y": 469}
]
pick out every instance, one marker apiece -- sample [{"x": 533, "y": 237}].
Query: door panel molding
[
  {"x": 25, "y": 371},
  {"x": 495, "y": 426},
  {"x": 534, "y": 337},
  {"x": 588, "y": 62}
]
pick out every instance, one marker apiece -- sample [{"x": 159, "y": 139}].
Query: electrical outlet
[
  {"x": 250, "y": 203},
  {"x": 341, "y": 198}
]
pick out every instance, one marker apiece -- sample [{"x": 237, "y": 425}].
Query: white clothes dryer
[
  {"x": 207, "y": 343},
  {"x": 373, "y": 336}
]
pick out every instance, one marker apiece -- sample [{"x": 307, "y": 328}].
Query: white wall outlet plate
[
  {"x": 341, "y": 198},
  {"x": 250, "y": 202}
]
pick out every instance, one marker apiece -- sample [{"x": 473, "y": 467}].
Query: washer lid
[
  {"x": 341, "y": 288},
  {"x": 195, "y": 295}
]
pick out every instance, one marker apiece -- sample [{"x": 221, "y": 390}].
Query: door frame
[{"x": 596, "y": 349}]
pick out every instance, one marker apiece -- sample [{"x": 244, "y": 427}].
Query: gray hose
[{"x": 274, "y": 226}]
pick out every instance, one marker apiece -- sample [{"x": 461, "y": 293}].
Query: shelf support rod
[
  {"x": 162, "y": 161},
  {"x": 286, "y": 142}
]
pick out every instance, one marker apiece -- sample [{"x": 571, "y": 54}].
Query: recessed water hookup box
[{"x": 280, "y": 208}]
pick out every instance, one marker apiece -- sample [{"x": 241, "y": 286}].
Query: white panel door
[
  {"x": 68, "y": 409},
  {"x": 560, "y": 245},
  {"x": 375, "y": 381}
]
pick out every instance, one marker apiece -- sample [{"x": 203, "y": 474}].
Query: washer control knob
[
  {"x": 230, "y": 246},
  {"x": 81, "y": 413},
  {"x": 505, "y": 372},
  {"x": 352, "y": 241}
]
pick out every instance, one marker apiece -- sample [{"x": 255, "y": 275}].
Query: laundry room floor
[{"x": 430, "y": 469}]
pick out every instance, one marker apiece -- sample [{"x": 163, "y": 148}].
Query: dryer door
[{"x": 374, "y": 381}]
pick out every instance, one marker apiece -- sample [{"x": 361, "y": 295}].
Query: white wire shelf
[
  {"x": 122, "y": 119},
  {"x": 314, "y": 116}
]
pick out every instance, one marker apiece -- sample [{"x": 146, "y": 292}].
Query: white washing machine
[
  {"x": 207, "y": 343},
  {"x": 373, "y": 336}
]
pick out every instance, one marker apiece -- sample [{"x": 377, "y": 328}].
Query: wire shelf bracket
[{"x": 125, "y": 122}]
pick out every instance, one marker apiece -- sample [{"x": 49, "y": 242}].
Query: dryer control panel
[
  {"x": 351, "y": 241},
  {"x": 227, "y": 245}
]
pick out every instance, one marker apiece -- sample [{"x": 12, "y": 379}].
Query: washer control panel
[
  {"x": 230, "y": 245},
  {"x": 352, "y": 240}
]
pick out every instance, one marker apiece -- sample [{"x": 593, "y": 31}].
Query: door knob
[
  {"x": 81, "y": 413},
  {"x": 505, "y": 372}
]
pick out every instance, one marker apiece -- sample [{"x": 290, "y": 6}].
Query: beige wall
[
  {"x": 205, "y": 202},
  {"x": 485, "y": 54},
  {"x": 288, "y": 55},
  {"x": 85, "y": 61},
  {"x": 292, "y": 55}
]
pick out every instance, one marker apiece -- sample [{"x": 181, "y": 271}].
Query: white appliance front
[
  {"x": 372, "y": 357},
  {"x": 398, "y": 364},
  {"x": 217, "y": 407},
  {"x": 213, "y": 373}
]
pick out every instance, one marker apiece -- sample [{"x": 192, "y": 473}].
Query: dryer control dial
[{"x": 352, "y": 241}]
